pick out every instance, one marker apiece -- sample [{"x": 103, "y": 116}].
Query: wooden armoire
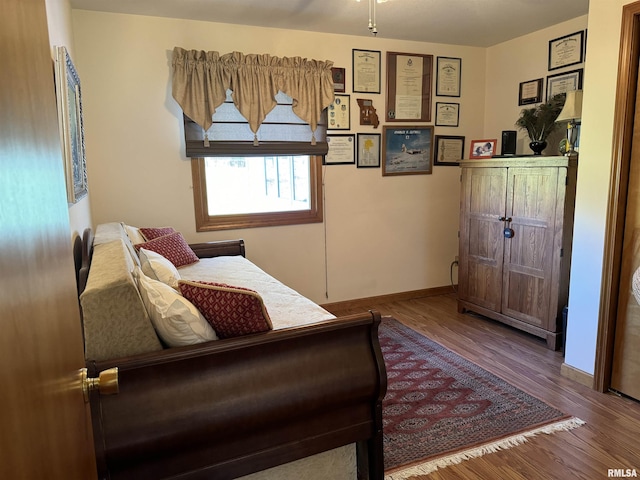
[{"x": 516, "y": 223}]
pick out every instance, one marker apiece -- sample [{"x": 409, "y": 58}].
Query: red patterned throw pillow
[
  {"x": 173, "y": 247},
  {"x": 231, "y": 311},
  {"x": 154, "y": 232}
]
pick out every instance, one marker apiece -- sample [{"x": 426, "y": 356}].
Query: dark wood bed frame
[{"x": 228, "y": 408}]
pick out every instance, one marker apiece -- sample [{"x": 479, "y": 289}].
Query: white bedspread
[{"x": 286, "y": 307}]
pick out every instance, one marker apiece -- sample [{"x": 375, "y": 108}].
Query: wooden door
[
  {"x": 535, "y": 196},
  {"x": 625, "y": 373},
  {"x": 45, "y": 430},
  {"x": 481, "y": 239}
]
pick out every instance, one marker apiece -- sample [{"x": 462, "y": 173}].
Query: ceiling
[{"x": 479, "y": 23}]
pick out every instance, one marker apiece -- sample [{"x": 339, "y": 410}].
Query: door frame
[{"x": 628, "y": 64}]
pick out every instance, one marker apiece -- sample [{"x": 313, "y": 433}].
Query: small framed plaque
[
  {"x": 447, "y": 114},
  {"x": 530, "y": 92},
  {"x": 338, "y": 75}
]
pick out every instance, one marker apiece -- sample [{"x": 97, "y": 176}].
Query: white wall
[
  {"x": 383, "y": 234},
  {"x": 61, "y": 34},
  {"x": 593, "y": 181}
]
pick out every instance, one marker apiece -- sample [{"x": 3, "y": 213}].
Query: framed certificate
[
  {"x": 409, "y": 87},
  {"x": 366, "y": 71},
  {"x": 447, "y": 114},
  {"x": 530, "y": 92},
  {"x": 339, "y": 113},
  {"x": 448, "y": 76},
  {"x": 566, "y": 51},
  {"x": 564, "y": 82},
  {"x": 448, "y": 150},
  {"x": 342, "y": 149},
  {"x": 368, "y": 150}
]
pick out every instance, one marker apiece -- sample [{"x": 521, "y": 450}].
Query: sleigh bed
[{"x": 308, "y": 391}]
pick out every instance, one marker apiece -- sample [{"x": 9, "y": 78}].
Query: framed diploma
[
  {"x": 564, "y": 82},
  {"x": 407, "y": 150},
  {"x": 368, "y": 150},
  {"x": 408, "y": 87},
  {"x": 339, "y": 113},
  {"x": 447, "y": 114},
  {"x": 530, "y": 92},
  {"x": 566, "y": 51},
  {"x": 342, "y": 149},
  {"x": 448, "y": 150},
  {"x": 366, "y": 71},
  {"x": 448, "y": 76}
]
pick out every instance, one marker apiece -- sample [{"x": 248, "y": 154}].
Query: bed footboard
[{"x": 233, "y": 407}]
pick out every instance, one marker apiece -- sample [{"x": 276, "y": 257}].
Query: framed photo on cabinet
[
  {"x": 483, "y": 148},
  {"x": 407, "y": 150},
  {"x": 409, "y": 78}
]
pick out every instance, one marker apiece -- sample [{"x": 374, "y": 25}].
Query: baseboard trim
[
  {"x": 577, "y": 375},
  {"x": 392, "y": 297}
]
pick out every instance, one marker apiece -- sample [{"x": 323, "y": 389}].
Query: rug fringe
[{"x": 491, "y": 447}]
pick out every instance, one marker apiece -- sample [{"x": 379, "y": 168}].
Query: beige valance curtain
[{"x": 201, "y": 80}]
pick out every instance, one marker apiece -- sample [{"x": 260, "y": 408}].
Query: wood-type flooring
[{"x": 608, "y": 446}]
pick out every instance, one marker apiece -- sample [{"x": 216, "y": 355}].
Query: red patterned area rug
[{"x": 441, "y": 409}]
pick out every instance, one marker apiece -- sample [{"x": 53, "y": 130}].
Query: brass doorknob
[{"x": 106, "y": 383}]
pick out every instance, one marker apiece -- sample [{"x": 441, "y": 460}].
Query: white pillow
[
  {"x": 157, "y": 267},
  {"x": 134, "y": 234},
  {"x": 175, "y": 319}
]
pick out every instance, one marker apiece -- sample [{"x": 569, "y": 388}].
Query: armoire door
[
  {"x": 481, "y": 236},
  {"x": 533, "y": 195}
]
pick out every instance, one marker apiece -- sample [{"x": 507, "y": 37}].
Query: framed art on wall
[
  {"x": 368, "y": 150},
  {"x": 69, "y": 103},
  {"x": 409, "y": 87},
  {"x": 448, "y": 150},
  {"x": 407, "y": 150},
  {"x": 338, "y": 75}
]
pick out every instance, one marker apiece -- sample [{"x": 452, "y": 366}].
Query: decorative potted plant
[{"x": 540, "y": 121}]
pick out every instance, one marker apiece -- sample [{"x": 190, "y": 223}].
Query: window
[{"x": 257, "y": 191}]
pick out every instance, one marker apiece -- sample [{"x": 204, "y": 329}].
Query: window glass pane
[{"x": 243, "y": 185}]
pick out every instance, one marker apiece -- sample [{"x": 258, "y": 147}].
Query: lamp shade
[{"x": 572, "y": 109}]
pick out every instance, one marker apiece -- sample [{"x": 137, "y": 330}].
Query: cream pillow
[
  {"x": 175, "y": 319},
  {"x": 157, "y": 267},
  {"x": 134, "y": 234}
]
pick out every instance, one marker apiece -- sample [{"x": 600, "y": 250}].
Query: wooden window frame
[{"x": 208, "y": 223}]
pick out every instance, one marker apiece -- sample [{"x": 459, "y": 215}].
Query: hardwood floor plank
[{"x": 609, "y": 440}]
